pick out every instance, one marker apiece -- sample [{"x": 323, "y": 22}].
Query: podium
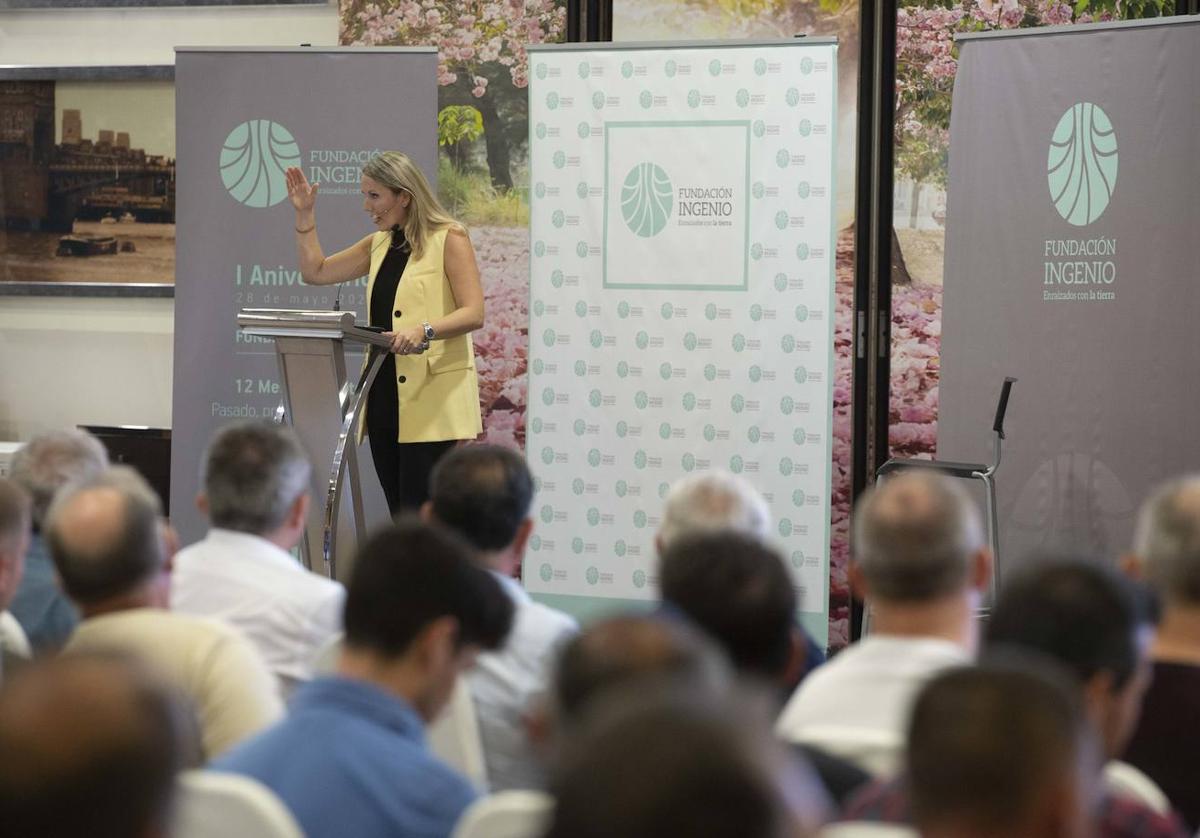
[{"x": 323, "y": 404}]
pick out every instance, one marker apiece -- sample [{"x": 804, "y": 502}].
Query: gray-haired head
[
  {"x": 915, "y": 536},
  {"x": 1167, "y": 539},
  {"x": 104, "y": 535},
  {"x": 253, "y": 473},
  {"x": 715, "y": 501},
  {"x": 53, "y": 459}
]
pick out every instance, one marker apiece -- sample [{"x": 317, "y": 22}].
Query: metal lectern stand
[{"x": 323, "y": 405}]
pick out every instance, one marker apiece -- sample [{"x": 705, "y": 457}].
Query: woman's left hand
[{"x": 408, "y": 341}]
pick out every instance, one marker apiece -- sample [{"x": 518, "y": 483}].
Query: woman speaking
[{"x": 423, "y": 289}]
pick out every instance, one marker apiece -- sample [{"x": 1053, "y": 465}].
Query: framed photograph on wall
[{"x": 87, "y": 175}]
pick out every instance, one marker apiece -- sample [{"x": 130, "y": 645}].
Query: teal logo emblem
[
  {"x": 781, "y": 282},
  {"x": 799, "y": 436},
  {"x": 254, "y": 159},
  {"x": 584, "y": 70},
  {"x": 642, "y": 340},
  {"x": 594, "y": 457},
  {"x": 539, "y": 249},
  {"x": 620, "y": 548},
  {"x": 541, "y": 71},
  {"x": 742, "y": 98},
  {"x": 786, "y": 466},
  {"x": 671, "y": 68},
  {"x": 663, "y": 489},
  {"x": 547, "y": 455},
  {"x": 577, "y": 545},
  {"x": 806, "y": 65},
  {"x": 760, "y": 128},
  {"x": 710, "y": 311},
  {"x": 710, "y": 433},
  {"x": 714, "y": 67},
  {"x": 548, "y": 396},
  {"x": 693, "y": 98},
  {"x": 593, "y": 516},
  {"x": 782, "y": 157},
  {"x": 805, "y": 127},
  {"x": 781, "y": 219},
  {"x": 710, "y": 372},
  {"x": 737, "y": 403},
  {"x": 801, "y": 375},
  {"x": 577, "y": 485},
  {"x": 546, "y": 572},
  {"x": 540, "y": 189},
  {"x": 756, "y": 312},
  {"x": 581, "y": 250},
  {"x": 754, "y": 434},
  {"x": 580, "y": 427},
  {"x": 541, "y": 130},
  {"x": 593, "y": 576},
  {"x": 802, "y": 252},
  {"x": 797, "y": 558},
  {"x": 558, "y": 218},
  {"x": 798, "y": 497},
  {"x": 802, "y": 312},
  {"x": 584, "y": 130},
  {"x": 552, "y": 100},
  {"x": 689, "y": 402},
  {"x": 758, "y": 189},
  {"x": 639, "y": 579},
  {"x": 646, "y": 200},
  {"x": 788, "y": 343},
  {"x": 581, "y": 309},
  {"x": 664, "y": 430},
  {"x": 668, "y": 311},
  {"x": 639, "y": 459},
  {"x": 785, "y": 527},
  {"x": 596, "y": 338},
  {"x": 787, "y": 405},
  {"x": 646, "y": 99},
  {"x": 1081, "y": 168},
  {"x": 793, "y": 96},
  {"x": 622, "y": 309},
  {"x": 556, "y": 278},
  {"x": 627, "y": 69},
  {"x": 739, "y": 342},
  {"x": 622, "y": 488},
  {"x": 689, "y": 461},
  {"x": 539, "y": 308},
  {"x": 622, "y": 369},
  {"x": 597, "y": 100},
  {"x": 664, "y": 370},
  {"x": 639, "y": 519},
  {"x": 622, "y": 429},
  {"x": 595, "y": 398},
  {"x": 755, "y": 373},
  {"x": 641, "y": 400},
  {"x": 760, "y": 66},
  {"x": 690, "y": 341},
  {"x": 549, "y": 337},
  {"x": 736, "y": 464},
  {"x": 756, "y": 251},
  {"x": 547, "y": 514},
  {"x": 560, "y": 160},
  {"x": 804, "y": 190},
  {"x": 536, "y": 424}
]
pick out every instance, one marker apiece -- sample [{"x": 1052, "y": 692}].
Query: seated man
[
  {"x": 739, "y": 591},
  {"x": 921, "y": 562},
  {"x": 256, "y": 497},
  {"x": 41, "y": 467},
  {"x": 684, "y": 766},
  {"x": 483, "y": 493},
  {"x": 716, "y": 502},
  {"x": 1167, "y": 737},
  {"x": 89, "y": 746},
  {"x": 351, "y": 759},
  {"x": 1002, "y": 751},
  {"x": 14, "y": 542},
  {"x": 1086, "y": 619},
  {"x": 104, "y": 535}
]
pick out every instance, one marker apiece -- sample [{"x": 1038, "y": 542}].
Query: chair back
[
  {"x": 454, "y": 737},
  {"x": 867, "y": 829},
  {"x": 506, "y": 814},
  {"x": 212, "y": 804}
]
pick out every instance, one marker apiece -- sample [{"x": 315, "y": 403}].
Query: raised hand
[{"x": 301, "y": 193}]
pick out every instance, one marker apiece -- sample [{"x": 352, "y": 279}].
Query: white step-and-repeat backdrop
[{"x": 681, "y": 311}]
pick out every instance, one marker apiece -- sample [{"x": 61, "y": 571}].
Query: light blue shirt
[
  {"x": 40, "y": 606},
  {"x": 351, "y": 760}
]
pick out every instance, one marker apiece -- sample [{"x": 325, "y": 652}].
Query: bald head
[
  {"x": 88, "y": 746},
  {"x": 713, "y": 502},
  {"x": 915, "y": 536},
  {"x": 104, "y": 536},
  {"x": 621, "y": 651},
  {"x": 1167, "y": 539}
]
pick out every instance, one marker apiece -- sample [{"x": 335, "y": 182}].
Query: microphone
[{"x": 337, "y": 300}]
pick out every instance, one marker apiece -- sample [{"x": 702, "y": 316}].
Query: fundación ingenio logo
[
  {"x": 646, "y": 199},
  {"x": 253, "y": 161},
  {"x": 1081, "y": 168}
]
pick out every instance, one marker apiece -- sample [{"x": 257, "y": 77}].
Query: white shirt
[
  {"x": 504, "y": 685},
  {"x": 856, "y": 706},
  {"x": 287, "y": 612}
]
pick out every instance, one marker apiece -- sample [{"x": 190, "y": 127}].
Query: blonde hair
[{"x": 426, "y": 215}]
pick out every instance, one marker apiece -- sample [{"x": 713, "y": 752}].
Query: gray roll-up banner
[
  {"x": 242, "y": 117},
  {"x": 1071, "y": 263}
]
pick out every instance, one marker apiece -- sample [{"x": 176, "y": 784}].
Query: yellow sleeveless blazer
[{"x": 439, "y": 389}]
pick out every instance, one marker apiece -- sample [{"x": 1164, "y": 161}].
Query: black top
[
  {"x": 382, "y": 403},
  {"x": 1167, "y": 738}
]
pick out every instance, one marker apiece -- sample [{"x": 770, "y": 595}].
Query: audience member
[
  {"x": 1002, "y": 751},
  {"x": 631, "y": 653},
  {"x": 483, "y": 493},
  {"x": 1089, "y": 621},
  {"x": 105, "y": 537},
  {"x": 716, "y": 502},
  {"x": 351, "y": 759},
  {"x": 256, "y": 478},
  {"x": 89, "y": 746},
  {"x": 1167, "y": 737},
  {"x": 740, "y": 592},
  {"x": 920, "y": 561},
  {"x": 41, "y": 467},
  {"x": 14, "y": 542},
  {"x": 685, "y": 767}
]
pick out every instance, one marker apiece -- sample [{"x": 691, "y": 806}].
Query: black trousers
[{"x": 404, "y": 468}]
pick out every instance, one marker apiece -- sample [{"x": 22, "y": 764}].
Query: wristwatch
[{"x": 429, "y": 333}]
